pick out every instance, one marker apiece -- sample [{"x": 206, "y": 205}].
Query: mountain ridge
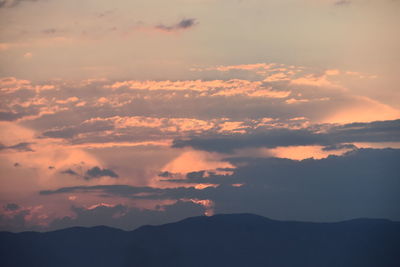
[
  {"x": 207, "y": 217},
  {"x": 219, "y": 240}
]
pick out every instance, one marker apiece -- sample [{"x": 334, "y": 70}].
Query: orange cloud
[
  {"x": 280, "y": 76},
  {"x": 12, "y": 84},
  {"x": 257, "y": 66},
  {"x": 332, "y": 72},
  {"x": 270, "y": 94},
  {"x": 314, "y": 80},
  {"x": 34, "y": 171},
  {"x": 203, "y": 186},
  {"x": 363, "y": 109},
  {"x": 212, "y": 88},
  {"x": 304, "y": 152},
  {"x": 68, "y": 100},
  {"x": 191, "y": 161},
  {"x": 232, "y": 127},
  {"x": 193, "y": 85},
  {"x": 206, "y": 203},
  {"x": 28, "y": 55}
]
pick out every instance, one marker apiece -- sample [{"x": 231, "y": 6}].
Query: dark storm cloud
[
  {"x": 182, "y": 25},
  {"x": 24, "y": 146},
  {"x": 380, "y": 131},
  {"x": 97, "y": 172},
  {"x": 361, "y": 183}
]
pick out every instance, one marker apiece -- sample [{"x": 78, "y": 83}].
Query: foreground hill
[{"x": 221, "y": 240}]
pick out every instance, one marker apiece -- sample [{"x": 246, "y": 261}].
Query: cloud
[
  {"x": 141, "y": 128},
  {"x": 380, "y": 131},
  {"x": 148, "y": 111},
  {"x": 28, "y": 55},
  {"x": 24, "y": 147},
  {"x": 339, "y": 147},
  {"x": 246, "y": 67},
  {"x": 194, "y": 175},
  {"x": 13, "y": 3},
  {"x": 85, "y": 127},
  {"x": 16, "y": 221},
  {"x": 53, "y": 31},
  {"x": 342, "y": 2},
  {"x": 91, "y": 173},
  {"x": 112, "y": 189},
  {"x": 11, "y": 116},
  {"x": 70, "y": 172},
  {"x": 20, "y": 181},
  {"x": 361, "y": 183},
  {"x": 166, "y": 174},
  {"x": 127, "y": 218},
  {"x": 128, "y": 191},
  {"x": 182, "y": 25},
  {"x": 11, "y": 207},
  {"x": 127, "y": 127},
  {"x": 97, "y": 172}
]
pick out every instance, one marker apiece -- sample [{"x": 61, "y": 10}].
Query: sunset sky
[{"x": 125, "y": 113}]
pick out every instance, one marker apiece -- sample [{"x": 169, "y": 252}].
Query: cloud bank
[
  {"x": 332, "y": 137},
  {"x": 361, "y": 183},
  {"x": 287, "y": 142}
]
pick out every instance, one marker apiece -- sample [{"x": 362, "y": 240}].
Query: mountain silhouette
[{"x": 221, "y": 240}]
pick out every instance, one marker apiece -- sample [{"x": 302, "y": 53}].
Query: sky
[{"x": 126, "y": 113}]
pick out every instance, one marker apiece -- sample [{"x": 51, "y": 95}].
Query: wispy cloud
[
  {"x": 69, "y": 172},
  {"x": 24, "y": 146},
  {"x": 13, "y": 3},
  {"x": 342, "y": 2},
  {"x": 97, "y": 172},
  {"x": 184, "y": 24}
]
